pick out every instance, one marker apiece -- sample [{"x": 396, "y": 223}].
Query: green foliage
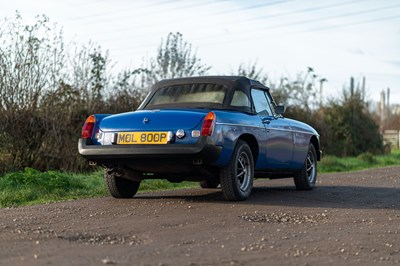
[
  {"x": 346, "y": 126},
  {"x": 367, "y": 157},
  {"x": 352, "y": 130},
  {"x": 366, "y": 160},
  {"x": 45, "y": 99},
  {"x": 32, "y": 187},
  {"x": 97, "y": 77},
  {"x": 331, "y": 163},
  {"x": 160, "y": 184}
]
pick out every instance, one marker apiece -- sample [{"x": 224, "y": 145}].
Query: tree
[
  {"x": 87, "y": 72},
  {"x": 45, "y": 95},
  {"x": 175, "y": 58},
  {"x": 80, "y": 93},
  {"x": 127, "y": 92},
  {"x": 303, "y": 92},
  {"x": 352, "y": 129},
  {"x": 251, "y": 71},
  {"x": 31, "y": 61}
]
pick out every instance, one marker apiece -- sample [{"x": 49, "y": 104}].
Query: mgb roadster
[{"x": 217, "y": 130}]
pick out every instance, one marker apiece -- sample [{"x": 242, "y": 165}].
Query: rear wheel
[
  {"x": 237, "y": 176},
  {"x": 307, "y": 177},
  {"x": 118, "y": 186}
]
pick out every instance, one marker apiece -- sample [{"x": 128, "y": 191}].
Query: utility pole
[
  {"x": 352, "y": 87},
  {"x": 388, "y": 97},
  {"x": 321, "y": 85},
  {"x": 363, "y": 88},
  {"x": 383, "y": 108}
]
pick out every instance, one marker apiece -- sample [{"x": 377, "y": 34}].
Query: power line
[
  {"x": 210, "y": 3},
  {"x": 110, "y": 16},
  {"x": 244, "y": 34},
  {"x": 255, "y": 33},
  {"x": 303, "y": 22},
  {"x": 123, "y": 10},
  {"x": 239, "y": 21}
]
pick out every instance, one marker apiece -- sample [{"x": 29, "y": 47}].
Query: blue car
[{"x": 217, "y": 130}]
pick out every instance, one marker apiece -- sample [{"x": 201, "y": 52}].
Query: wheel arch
[
  {"x": 253, "y": 144},
  {"x": 314, "y": 141}
]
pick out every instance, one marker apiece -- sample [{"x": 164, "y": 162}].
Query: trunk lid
[{"x": 153, "y": 120}]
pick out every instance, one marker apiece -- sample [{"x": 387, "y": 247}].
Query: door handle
[{"x": 266, "y": 120}]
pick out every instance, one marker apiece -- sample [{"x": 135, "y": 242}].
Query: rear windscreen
[{"x": 188, "y": 95}]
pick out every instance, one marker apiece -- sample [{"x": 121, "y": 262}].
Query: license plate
[{"x": 143, "y": 137}]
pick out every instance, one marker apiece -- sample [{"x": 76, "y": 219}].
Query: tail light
[
  {"x": 88, "y": 127},
  {"x": 208, "y": 124}
]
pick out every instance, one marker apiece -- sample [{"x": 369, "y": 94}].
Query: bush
[
  {"x": 368, "y": 158},
  {"x": 352, "y": 130},
  {"x": 331, "y": 164}
]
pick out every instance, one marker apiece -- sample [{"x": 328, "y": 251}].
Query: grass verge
[
  {"x": 33, "y": 187},
  {"x": 330, "y": 164},
  {"x": 30, "y": 187}
]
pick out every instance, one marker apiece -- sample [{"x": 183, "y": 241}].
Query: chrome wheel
[
  {"x": 306, "y": 178},
  {"x": 311, "y": 169},
  {"x": 237, "y": 177},
  {"x": 243, "y": 171}
]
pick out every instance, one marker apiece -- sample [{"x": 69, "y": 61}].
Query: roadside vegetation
[
  {"x": 30, "y": 186},
  {"x": 330, "y": 164}
]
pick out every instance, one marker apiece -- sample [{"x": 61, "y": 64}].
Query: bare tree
[
  {"x": 31, "y": 59},
  {"x": 252, "y": 71},
  {"x": 302, "y": 92},
  {"x": 175, "y": 58}
]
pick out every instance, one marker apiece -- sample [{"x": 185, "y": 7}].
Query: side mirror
[{"x": 280, "y": 109}]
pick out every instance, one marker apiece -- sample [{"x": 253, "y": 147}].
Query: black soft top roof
[
  {"x": 229, "y": 81},
  {"x": 232, "y": 83}
]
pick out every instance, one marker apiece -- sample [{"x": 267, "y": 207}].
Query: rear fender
[
  {"x": 232, "y": 126},
  {"x": 227, "y": 137}
]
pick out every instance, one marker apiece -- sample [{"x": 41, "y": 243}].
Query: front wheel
[
  {"x": 237, "y": 177},
  {"x": 118, "y": 186},
  {"x": 306, "y": 178}
]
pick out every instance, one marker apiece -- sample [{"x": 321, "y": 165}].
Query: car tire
[
  {"x": 237, "y": 177},
  {"x": 306, "y": 178},
  {"x": 118, "y": 186},
  {"x": 209, "y": 183}
]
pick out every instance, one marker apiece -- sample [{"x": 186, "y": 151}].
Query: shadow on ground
[{"x": 350, "y": 197}]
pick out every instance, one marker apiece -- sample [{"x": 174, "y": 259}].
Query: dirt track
[{"x": 351, "y": 218}]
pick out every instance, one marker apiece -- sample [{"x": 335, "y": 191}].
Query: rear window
[{"x": 189, "y": 95}]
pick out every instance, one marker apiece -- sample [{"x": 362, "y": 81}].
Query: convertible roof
[
  {"x": 232, "y": 83},
  {"x": 229, "y": 81}
]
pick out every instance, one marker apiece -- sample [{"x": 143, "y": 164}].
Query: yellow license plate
[{"x": 143, "y": 137}]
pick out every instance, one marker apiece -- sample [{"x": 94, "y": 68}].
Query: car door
[{"x": 278, "y": 149}]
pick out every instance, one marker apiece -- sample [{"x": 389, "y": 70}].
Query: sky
[{"x": 337, "y": 38}]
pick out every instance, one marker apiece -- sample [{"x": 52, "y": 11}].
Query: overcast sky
[{"x": 337, "y": 38}]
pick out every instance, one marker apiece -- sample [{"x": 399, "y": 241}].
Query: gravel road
[{"x": 349, "y": 219}]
